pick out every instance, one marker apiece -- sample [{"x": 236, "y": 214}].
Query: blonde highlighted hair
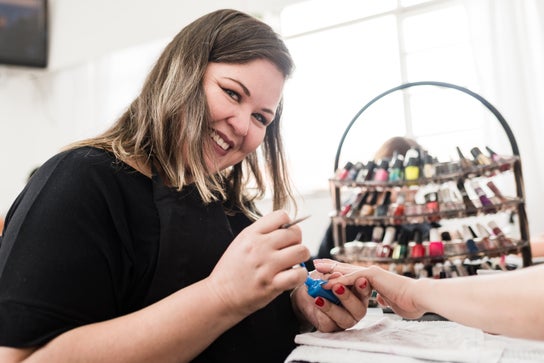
[{"x": 167, "y": 123}]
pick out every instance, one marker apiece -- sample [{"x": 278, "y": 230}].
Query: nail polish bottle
[
  {"x": 343, "y": 173},
  {"x": 487, "y": 205},
  {"x": 496, "y": 191},
  {"x": 381, "y": 210},
  {"x": 355, "y": 169},
  {"x": 370, "y": 205},
  {"x": 345, "y": 209},
  {"x": 483, "y": 236},
  {"x": 446, "y": 198},
  {"x": 498, "y": 159},
  {"x": 366, "y": 173},
  {"x": 385, "y": 249},
  {"x": 470, "y": 208},
  {"x": 479, "y": 157},
  {"x": 436, "y": 246},
  {"x": 418, "y": 250},
  {"x": 396, "y": 172},
  {"x": 493, "y": 155},
  {"x": 469, "y": 240},
  {"x": 377, "y": 233},
  {"x": 351, "y": 204},
  {"x": 465, "y": 163},
  {"x": 411, "y": 166},
  {"x": 411, "y": 170},
  {"x": 400, "y": 251},
  {"x": 432, "y": 206},
  {"x": 357, "y": 204},
  {"x": 500, "y": 239},
  {"x": 454, "y": 245},
  {"x": 381, "y": 173},
  {"x": 398, "y": 209},
  {"x": 495, "y": 228},
  {"x": 451, "y": 198},
  {"x": 429, "y": 169}
]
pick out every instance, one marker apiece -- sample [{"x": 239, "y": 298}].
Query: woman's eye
[
  {"x": 261, "y": 119},
  {"x": 235, "y": 96}
]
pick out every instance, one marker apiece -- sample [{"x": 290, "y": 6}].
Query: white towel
[{"x": 400, "y": 341}]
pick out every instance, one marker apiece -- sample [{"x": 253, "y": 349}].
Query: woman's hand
[
  {"x": 395, "y": 291},
  {"x": 327, "y": 316},
  {"x": 258, "y": 264}
]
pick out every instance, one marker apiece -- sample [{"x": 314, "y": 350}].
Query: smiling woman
[{"x": 150, "y": 223}]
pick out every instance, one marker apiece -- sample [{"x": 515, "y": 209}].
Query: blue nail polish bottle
[{"x": 315, "y": 289}]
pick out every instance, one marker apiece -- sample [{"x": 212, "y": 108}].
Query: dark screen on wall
[{"x": 23, "y": 32}]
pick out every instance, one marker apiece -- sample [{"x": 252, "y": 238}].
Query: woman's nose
[{"x": 240, "y": 123}]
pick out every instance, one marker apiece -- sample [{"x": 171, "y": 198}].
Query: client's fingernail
[
  {"x": 319, "y": 302},
  {"x": 363, "y": 285},
  {"x": 340, "y": 290}
]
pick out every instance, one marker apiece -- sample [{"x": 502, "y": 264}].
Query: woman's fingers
[
  {"x": 336, "y": 313},
  {"x": 352, "y": 307},
  {"x": 289, "y": 279},
  {"x": 328, "y": 266}
]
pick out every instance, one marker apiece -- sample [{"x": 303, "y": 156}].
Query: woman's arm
[
  {"x": 254, "y": 270},
  {"x": 174, "y": 329},
  {"x": 507, "y": 303}
]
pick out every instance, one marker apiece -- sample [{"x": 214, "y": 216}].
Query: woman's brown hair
[{"x": 167, "y": 123}]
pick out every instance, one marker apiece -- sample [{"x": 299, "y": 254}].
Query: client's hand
[{"x": 395, "y": 291}]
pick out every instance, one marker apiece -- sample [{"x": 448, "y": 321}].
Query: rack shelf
[
  {"x": 362, "y": 252},
  {"x": 473, "y": 172}
]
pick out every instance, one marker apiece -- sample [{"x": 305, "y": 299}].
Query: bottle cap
[
  {"x": 475, "y": 151},
  {"x": 412, "y": 162},
  {"x": 384, "y": 163},
  {"x": 398, "y": 163}
]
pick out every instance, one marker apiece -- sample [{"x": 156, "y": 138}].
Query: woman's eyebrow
[
  {"x": 248, "y": 94},
  {"x": 244, "y": 88}
]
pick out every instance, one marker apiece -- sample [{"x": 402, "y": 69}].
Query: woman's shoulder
[
  {"x": 78, "y": 158},
  {"x": 86, "y": 156},
  {"x": 88, "y": 170},
  {"x": 87, "y": 161}
]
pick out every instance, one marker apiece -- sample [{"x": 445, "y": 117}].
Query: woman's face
[{"x": 242, "y": 99}]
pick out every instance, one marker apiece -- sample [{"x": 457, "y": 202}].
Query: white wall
[{"x": 82, "y": 30}]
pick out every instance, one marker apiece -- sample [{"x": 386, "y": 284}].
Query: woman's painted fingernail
[
  {"x": 340, "y": 290},
  {"x": 319, "y": 301},
  {"x": 363, "y": 285}
]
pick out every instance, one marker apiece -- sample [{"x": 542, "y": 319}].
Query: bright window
[{"x": 361, "y": 51}]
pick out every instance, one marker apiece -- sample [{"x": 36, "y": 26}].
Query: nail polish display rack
[{"x": 494, "y": 245}]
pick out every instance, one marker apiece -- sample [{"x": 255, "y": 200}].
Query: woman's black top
[{"x": 90, "y": 239}]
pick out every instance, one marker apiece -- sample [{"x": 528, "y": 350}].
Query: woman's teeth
[{"x": 219, "y": 141}]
